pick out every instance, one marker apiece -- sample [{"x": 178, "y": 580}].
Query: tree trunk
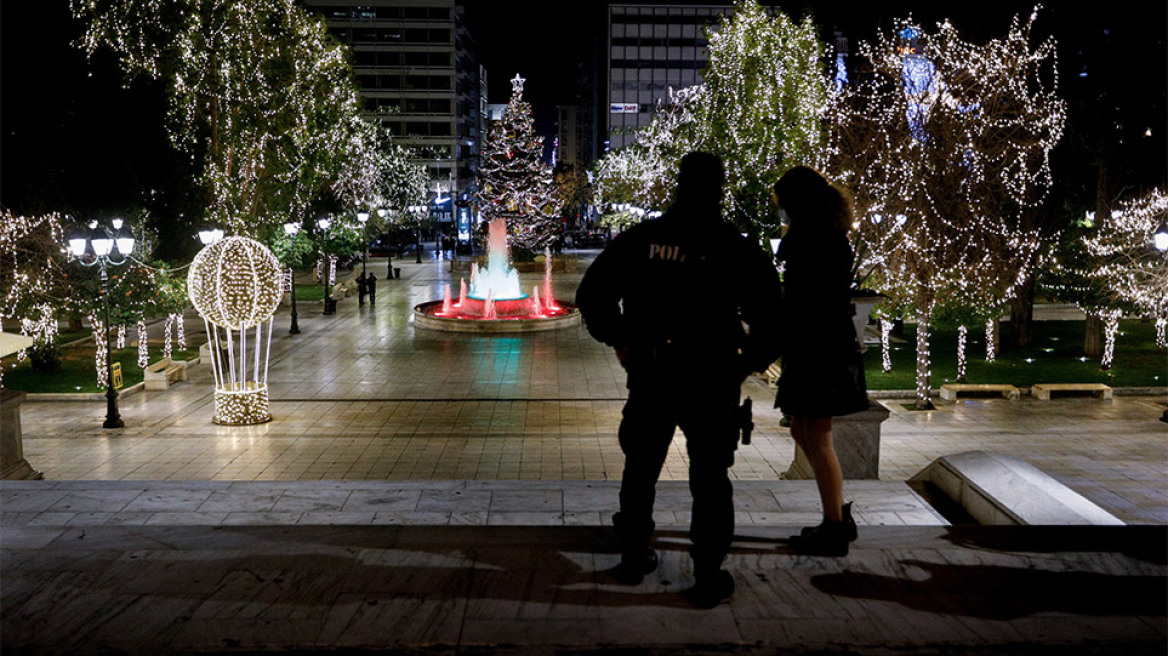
[
  {"x": 1022, "y": 312},
  {"x": 1101, "y": 194},
  {"x": 1110, "y": 328},
  {"x": 1093, "y": 332},
  {"x": 993, "y": 339},
  {"x": 962, "y": 335},
  {"x": 1093, "y": 337},
  {"x": 924, "y": 389}
]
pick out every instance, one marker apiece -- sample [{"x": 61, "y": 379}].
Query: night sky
[{"x": 73, "y": 137}]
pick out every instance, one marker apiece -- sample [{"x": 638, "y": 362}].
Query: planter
[
  {"x": 857, "y": 445},
  {"x": 13, "y": 466}
]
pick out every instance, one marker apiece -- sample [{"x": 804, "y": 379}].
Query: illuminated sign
[
  {"x": 623, "y": 108},
  {"x": 464, "y": 224}
]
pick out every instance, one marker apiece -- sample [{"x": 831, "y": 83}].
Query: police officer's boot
[{"x": 637, "y": 557}]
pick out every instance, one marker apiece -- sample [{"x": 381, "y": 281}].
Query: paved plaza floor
[
  {"x": 427, "y": 492},
  {"x": 364, "y": 395}
]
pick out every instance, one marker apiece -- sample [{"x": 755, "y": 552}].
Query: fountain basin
[{"x": 513, "y": 316}]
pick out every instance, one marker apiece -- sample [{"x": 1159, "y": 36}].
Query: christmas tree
[{"x": 514, "y": 184}]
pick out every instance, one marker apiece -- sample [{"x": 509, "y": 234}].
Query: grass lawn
[
  {"x": 1055, "y": 355},
  {"x": 77, "y": 372},
  {"x": 309, "y": 293},
  {"x": 66, "y": 336}
]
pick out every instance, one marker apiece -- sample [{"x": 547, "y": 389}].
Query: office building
[
  {"x": 650, "y": 49},
  {"x": 420, "y": 78}
]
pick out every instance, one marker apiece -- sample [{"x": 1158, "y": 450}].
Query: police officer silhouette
[{"x": 671, "y": 295}]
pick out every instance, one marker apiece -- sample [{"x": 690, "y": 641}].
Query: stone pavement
[
  {"x": 450, "y": 493},
  {"x": 457, "y": 589},
  {"x": 363, "y": 395}
]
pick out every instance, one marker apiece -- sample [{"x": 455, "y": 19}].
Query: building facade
[
  {"x": 652, "y": 48},
  {"x": 569, "y": 136},
  {"x": 419, "y": 76}
]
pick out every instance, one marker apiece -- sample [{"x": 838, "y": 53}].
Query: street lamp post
[
  {"x": 416, "y": 211},
  {"x": 291, "y": 229},
  {"x": 363, "y": 218},
  {"x": 1160, "y": 241},
  {"x": 382, "y": 212},
  {"x": 102, "y": 245},
  {"x": 325, "y": 269}
]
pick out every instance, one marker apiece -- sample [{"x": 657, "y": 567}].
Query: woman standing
[{"x": 822, "y": 374}]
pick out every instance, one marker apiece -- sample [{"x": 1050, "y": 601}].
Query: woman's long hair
[{"x": 812, "y": 202}]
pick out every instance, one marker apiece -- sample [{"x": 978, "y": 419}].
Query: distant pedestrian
[
  {"x": 660, "y": 295},
  {"x": 822, "y": 370},
  {"x": 362, "y": 287},
  {"x": 371, "y": 288}
]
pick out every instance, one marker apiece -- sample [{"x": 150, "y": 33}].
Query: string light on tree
[
  {"x": 1110, "y": 328},
  {"x": 885, "y": 351},
  {"x": 991, "y": 339},
  {"x": 259, "y": 95},
  {"x": 143, "y": 345},
  {"x": 953, "y": 140},
  {"x": 761, "y": 109},
  {"x": 167, "y": 333},
  {"x": 100, "y": 350},
  {"x": 1116, "y": 267},
  {"x": 962, "y": 335},
  {"x": 31, "y": 264}
]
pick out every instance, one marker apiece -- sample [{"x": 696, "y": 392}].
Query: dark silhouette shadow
[
  {"x": 123, "y": 588},
  {"x": 1004, "y": 593},
  {"x": 1145, "y": 542}
]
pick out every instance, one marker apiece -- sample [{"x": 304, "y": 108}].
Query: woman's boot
[{"x": 830, "y": 538}]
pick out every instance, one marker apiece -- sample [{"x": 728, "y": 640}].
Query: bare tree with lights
[
  {"x": 760, "y": 108},
  {"x": 766, "y": 91},
  {"x": 1128, "y": 253},
  {"x": 260, "y": 96},
  {"x": 31, "y": 263},
  {"x": 946, "y": 146},
  {"x": 1115, "y": 267}
]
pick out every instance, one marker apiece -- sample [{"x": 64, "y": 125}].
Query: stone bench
[
  {"x": 163, "y": 374},
  {"x": 950, "y": 391},
  {"x": 1042, "y": 391}
]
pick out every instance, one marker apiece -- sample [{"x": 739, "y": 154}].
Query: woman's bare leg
[{"x": 813, "y": 435}]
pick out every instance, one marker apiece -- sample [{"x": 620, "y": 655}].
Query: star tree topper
[{"x": 517, "y": 84}]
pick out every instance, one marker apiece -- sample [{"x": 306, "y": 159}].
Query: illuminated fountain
[{"x": 494, "y": 301}]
